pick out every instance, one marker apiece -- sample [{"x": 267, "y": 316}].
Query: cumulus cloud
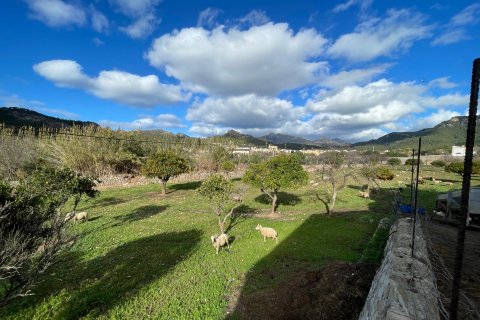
[
  {"x": 160, "y": 121},
  {"x": 456, "y": 29},
  {"x": 381, "y": 37},
  {"x": 56, "y": 13},
  {"x": 119, "y": 86},
  {"x": 264, "y": 60},
  {"x": 245, "y": 112},
  {"x": 356, "y": 76},
  {"x": 432, "y": 119}
]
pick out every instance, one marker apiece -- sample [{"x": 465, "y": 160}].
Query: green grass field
[{"x": 143, "y": 256}]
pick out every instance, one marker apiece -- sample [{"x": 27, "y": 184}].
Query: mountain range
[{"x": 441, "y": 137}]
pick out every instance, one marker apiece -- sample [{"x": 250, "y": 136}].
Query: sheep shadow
[
  {"x": 284, "y": 198},
  {"x": 140, "y": 213},
  {"x": 107, "y": 280},
  {"x": 185, "y": 186},
  {"x": 105, "y": 202}
]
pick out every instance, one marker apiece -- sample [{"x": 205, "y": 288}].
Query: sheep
[
  {"x": 69, "y": 216},
  {"x": 80, "y": 216},
  {"x": 364, "y": 194},
  {"x": 267, "y": 233},
  {"x": 220, "y": 241}
]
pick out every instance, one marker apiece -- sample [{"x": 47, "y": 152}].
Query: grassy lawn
[{"x": 144, "y": 256}]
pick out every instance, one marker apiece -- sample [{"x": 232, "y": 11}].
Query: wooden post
[
  {"x": 414, "y": 209},
  {"x": 467, "y": 173}
]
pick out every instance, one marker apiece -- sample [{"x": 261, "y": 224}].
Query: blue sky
[{"x": 353, "y": 69}]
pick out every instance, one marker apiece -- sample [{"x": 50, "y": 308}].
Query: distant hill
[
  {"x": 282, "y": 139},
  {"x": 20, "y": 117},
  {"x": 243, "y": 139},
  {"x": 442, "y": 136},
  {"x": 278, "y": 138}
]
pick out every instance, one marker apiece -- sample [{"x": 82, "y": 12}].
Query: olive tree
[
  {"x": 219, "y": 191},
  {"x": 333, "y": 178},
  {"x": 282, "y": 171},
  {"x": 165, "y": 165},
  {"x": 32, "y": 229}
]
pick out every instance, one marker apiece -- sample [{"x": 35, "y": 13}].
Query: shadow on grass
[
  {"x": 104, "y": 202},
  {"x": 185, "y": 186},
  {"x": 98, "y": 285},
  {"x": 291, "y": 282},
  {"x": 141, "y": 213},
  {"x": 284, "y": 198}
]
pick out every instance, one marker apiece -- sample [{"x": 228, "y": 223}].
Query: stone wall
[{"x": 404, "y": 287}]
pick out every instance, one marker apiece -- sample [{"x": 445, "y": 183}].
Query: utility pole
[{"x": 467, "y": 173}]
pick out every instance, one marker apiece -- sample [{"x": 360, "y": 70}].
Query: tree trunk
[
  {"x": 164, "y": 187},
  {"x": 274, "y": 202},
  {"x": 221, "y": 224},
  {"x": 334, "y": 198}
]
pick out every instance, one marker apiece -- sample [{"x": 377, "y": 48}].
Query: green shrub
[
  {"x": 165, "y": 165},
  {"x": 409, "y": 162},
  {"x": 438, "y": 163},
  {"x": 457, "y": 167},
  {"x": 394, "y": 161},
  {"x": 384, "y": 173}
]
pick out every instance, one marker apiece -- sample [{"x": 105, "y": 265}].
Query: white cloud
[
  {"x": 160, "y": 121},
  {"x": 442, "y": 83},
  {"x": 13, "y": 100},
  {"x": 456, "y": 29},
  {"x": 364, "y": 4},
  {"x": 254, "y": 18},
  {"x": 134, "y": 8},
  {"x": 142, "y": 13},
  {"x": 100, "y": 23},
  {"x": 97, "y": 42},
  {"x": 208, "y": 17},
  {"x": 264, "y": 60},
  {"x": 142, "y": 27},
  {"x": 245, "y": 112},
  {"x": 56, "y": 13},
  {"x": 356, "y": 76},
  {"x": 433, "y": 119},
  {"x": 381, "y": 37},
  {"x": 119, "y": 86}
]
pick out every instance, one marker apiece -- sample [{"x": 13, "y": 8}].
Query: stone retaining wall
[{"x": 404, "y": 288}]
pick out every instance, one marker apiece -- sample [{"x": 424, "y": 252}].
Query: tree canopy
[
  {"x": 165, "y": 165},
  {"x": 282, "y": 171}
]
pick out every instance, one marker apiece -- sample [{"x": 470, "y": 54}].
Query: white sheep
[
  {"x": 220, "y": 241},
  {"x": 69, "y": 216},
  {"x": 81, "y": 216},
  {"x": 267, "y": 233},
  {"x": 364, "y": 194}
]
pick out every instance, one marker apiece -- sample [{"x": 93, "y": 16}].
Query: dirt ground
[
  {"x": 337, "y": 291},
  {"x": 443, "y": 237}
]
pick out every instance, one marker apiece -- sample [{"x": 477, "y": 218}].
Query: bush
[
  {"x": 165, "y": 165},
  {"x": 457, "y": 167},
  {"x": 384, "y": 173},
  {"x": 394, "y": 161},
  {"x": 409, "y": 162},
  {"x": 438, "y": 163},
  {"x": 32, "y": 228}
]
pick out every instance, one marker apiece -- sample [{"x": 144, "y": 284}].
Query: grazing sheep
[
  {"x": 220, "y": 241},
  {"x": 364, "y": 194},
  {"x": 80, "y": 216},
  {"x": 267, "y": 233},
  {"x": 69, "y": 216}
]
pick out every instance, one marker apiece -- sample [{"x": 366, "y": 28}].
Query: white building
[
  {"x": 241, "y": 151},
  {"x": 458, "y": 151}
]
